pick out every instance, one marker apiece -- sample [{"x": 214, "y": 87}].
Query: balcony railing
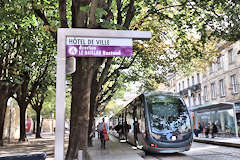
[
  {"x": 194, "y": 88},
  {"x": 184, "y": 92}
]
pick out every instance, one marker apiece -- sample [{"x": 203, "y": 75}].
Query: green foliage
[
  {"x": 184, "y": 39},
  {"x": 27, "y": 48}
]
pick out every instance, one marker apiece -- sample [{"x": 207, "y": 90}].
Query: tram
[{"x": 156, "y": 122}]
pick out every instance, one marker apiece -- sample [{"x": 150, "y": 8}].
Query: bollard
[{"x": 80, "y": 155}]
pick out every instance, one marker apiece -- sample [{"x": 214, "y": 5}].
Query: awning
[{"x": 212, "y": 106}]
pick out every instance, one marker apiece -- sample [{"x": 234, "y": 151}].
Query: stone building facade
[{"x": 214, "y": 96}]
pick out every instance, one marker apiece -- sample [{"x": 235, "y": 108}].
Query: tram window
[
  {"x": 168, "y": 114},
  {"x": 138, "y": 112}
]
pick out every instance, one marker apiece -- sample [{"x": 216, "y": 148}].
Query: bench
[{"x": 40, "y": 156}]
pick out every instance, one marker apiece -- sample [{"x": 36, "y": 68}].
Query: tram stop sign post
[{"x": 76, "y": 42}]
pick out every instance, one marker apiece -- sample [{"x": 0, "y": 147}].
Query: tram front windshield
[{"x": 168, "y": 115}]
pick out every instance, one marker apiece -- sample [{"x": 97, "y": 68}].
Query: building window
[
  {"x": 194, "y": 101},
  {"x": 213, "y": 91},
  {"x": 193, "y": 80},
  {"x": 199, "y": 99},
  {"x": 188, "y": 83},
  {"x": 234, "y": 84},
  {"x": 220, "y": 62},
  {"x": 189, "y": 101},
  {"x": 211, "y": 68},
  {"x": 198, "y": 78},
  {"x": 231, "y": 56},
  {"x": 206, "y": 93},
  {"x": 179, "y": 85},
  {"x": 222, "y": 88},
  {"x": 182, "y": 84}
]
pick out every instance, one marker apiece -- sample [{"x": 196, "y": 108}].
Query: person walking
[
  {"x": 199, "y": 130},
  {"x": 207, "y": 130},
  {"x": 214, "y": 130},
  {"x": 103, "y": 129}
]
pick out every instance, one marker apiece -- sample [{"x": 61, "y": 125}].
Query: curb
[{"x": 228, "y": 144}]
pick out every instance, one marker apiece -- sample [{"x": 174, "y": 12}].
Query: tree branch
[
  {"x": 45, "y": 21},
  {"x": 121, "y": 67},
  {"x": 130, "y": 14},
  {"x": 109, "y": 89},
  {"x": 119, "y": 13},
  {"x": 92, "y": 14},
  {"x": 63, "y": 13},
  {"x": 38, "y": 81},
  {"x": 104, "y": 73},
  {"x": 37, "y": 104}
]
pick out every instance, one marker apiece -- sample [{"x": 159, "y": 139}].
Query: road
[{"x": 200, "y": 151}]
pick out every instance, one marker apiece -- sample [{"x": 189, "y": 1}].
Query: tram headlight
[{"x": 174, "y": 138}]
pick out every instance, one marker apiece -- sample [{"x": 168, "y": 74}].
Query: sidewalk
[
  {"x": 230, "y": 142},
  {"x": 114, "y": 151},
  {"x": 32, "y": 146}
]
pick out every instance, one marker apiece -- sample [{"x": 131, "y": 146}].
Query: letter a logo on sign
[{"x": 72, "y": 50}]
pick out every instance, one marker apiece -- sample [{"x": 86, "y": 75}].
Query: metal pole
[
  {"x": 235, "y": 120},
  {"x": 60, "y": 99}
]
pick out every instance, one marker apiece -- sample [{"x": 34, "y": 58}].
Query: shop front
[
  {"x": 223, "y": 115},
  {"x": 237, "y": 107}
]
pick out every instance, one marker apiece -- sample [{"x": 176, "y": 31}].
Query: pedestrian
[
  {"x": 214, "y": 130},
  {"x": 98, "y": 132},
  {"x": 207, "y": 130},
  {"x": 198, "y": 130},
  {"x": 200, "y": 127},
  {"x": 103, "y": 129}
]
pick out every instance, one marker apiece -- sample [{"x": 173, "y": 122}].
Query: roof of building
[{"x": 211, "y": 106}]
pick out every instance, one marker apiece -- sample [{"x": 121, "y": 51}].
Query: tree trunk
[
  {"x": 81, "y": 89},
  {"x": 90, "y": 127},
  {"x": 5, "y": 93},
  {"x": 3, "y": 106},
  {"x": 22, "y": 123},
  {"x": 38, "y": 133},
  {"x": 34, "y": 126},
  {"x": 96, "y": 86},
  {"x": 93, "y": 97}
]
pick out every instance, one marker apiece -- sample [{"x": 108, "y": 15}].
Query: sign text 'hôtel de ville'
[{"x": 98, "y": 47}]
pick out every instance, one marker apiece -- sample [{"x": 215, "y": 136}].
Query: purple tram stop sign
[{"x": 98, "y": 47}]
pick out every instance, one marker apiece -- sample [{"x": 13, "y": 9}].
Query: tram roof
[{"x": 161, "y": 93}]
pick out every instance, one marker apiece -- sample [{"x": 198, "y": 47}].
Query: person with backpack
[{"x": 103, "y": 129}]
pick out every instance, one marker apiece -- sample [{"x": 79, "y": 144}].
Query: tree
[
  {"x": 23, "y": 54},
  {"x": 35, "y": 74},
  {"x": 39, "y": 98},
  {"x": 37, "y": 104},
  {"x": 12, "y": 44}
]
